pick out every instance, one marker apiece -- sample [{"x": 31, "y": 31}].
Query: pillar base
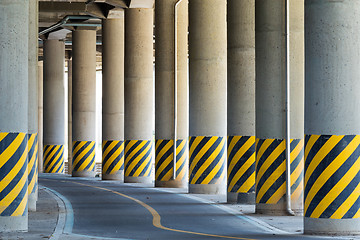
[
  {"x": 33, "y": 197},
  {"x": 241, "y": 198},
  {"x": 171, "y": 184},
  {"x": 324, "y": 226},
  {"x": 14, "y": 224},
  {"x": 138, "y": 180},
  {"x": 276, "y": 209},
  {"x": 218, "y": 189},
  {"x": 119, "y": 176},
  {"x": 84, "y": 174}
]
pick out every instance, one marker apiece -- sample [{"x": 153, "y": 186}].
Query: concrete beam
[
  {"x": 91, "y": 9},
  {"x": 141, "y": 4},
  {"x": 115, "y": 3}
]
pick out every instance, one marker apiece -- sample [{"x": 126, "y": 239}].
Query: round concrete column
[
  {"x": 164, "y": 94},
  {"x": 83, "y": 108},
  {"x": 241, "y": 102},
  {"x": 70, "y": 116},
  {"x": 54, "y": 106},
  {"x": 332, "y": 118},
  {"x": 33, "y": 106},
  {"x": 208, "y": 108},
  {"x": 14, "y": 32},
  {"x": 139, "y": 95},
  {"x": 113, "y": 98},
  {"x": 41, "y": 114},
  {"x": 270, "y": 106}
]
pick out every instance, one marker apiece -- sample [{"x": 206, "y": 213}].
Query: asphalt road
[{"x": 112, "y": 210}]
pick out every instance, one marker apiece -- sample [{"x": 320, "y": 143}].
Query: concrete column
[
  {"x": 208, "y": 85},
  {"x": 139, "y": 95},
  {"x": 41, "y": 115},
  {"x": 113, "y": 98},
  {"x": 33, "y": 106},
  {"x": 14, "y": 32},
  {"x": 241, "y": 101},
  {"x": 270, "y": 106},
  {"x": 83, "y": 98},
  {"x": 332, "y": 118},
  {"x": 54, "y": 106},
  {"x": 164, "y": 93},
  {"x": 70, "y": 116}
]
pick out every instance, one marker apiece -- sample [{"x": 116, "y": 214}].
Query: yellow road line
[{"x": 156, "y": 216}]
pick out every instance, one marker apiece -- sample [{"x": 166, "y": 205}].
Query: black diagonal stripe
[
  {"x": 180, "y": 155},
  {"x": 133, "y": 147},
  {"x": 212, "y": 166},
  {"x": 169, "y": 152},
  {"x": 83, "y": 159},
  {"x": 15, "y": 204},
  {"x": 106, "y": 146},
  {"x": 52, "y": 159},
  {"x": 341, "y": 198},
  {"x": 240, "y": 163},
  {"x": 199, "y": 147},
  {"x": 295, "y": 163},
  {"x": 178, "y": 171},
  {"x": 136, "y": 167},
  {"x": 267, "y": 152},
  {"x": 339, "y": 147},
  {"x": 295, "y": 185},
  {"x": 57, "y": 162},
  {"x": 238, "y": 145},
  {"x": 82, "y": 149},
  {"x": 148, "y": 165},
  {"x": 109, "y": 155},
  {"x": 243, "y": 178},
  {"x": 270, "y": 170},
  {"x": 331, "y": 182},
  {"x": 113, "y": 150},
  {"x": 141, "y": 150},
  {"x": 218, "y": 174},
  {"x": 16, "y": 179},
  {"x": 168, "y": 168},
  {"x": 5, "y": 143},
  {"x": 205, "y": 156},
  {"x": 273, "y": 188},
  {"x": 13, "y": 160},
  {"x": 314, "y": 149},
  {"x": 353, "y": 210},
  {"x": 191, "y": 141},
  {"x": 294, "y": 143},
  {"x": 92, "y": 160},
  {"x": 114, "y": 162},
  {"x": 77, "y": 143}
]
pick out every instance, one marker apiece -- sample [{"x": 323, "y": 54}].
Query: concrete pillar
[
  {"x": 113, "y": 98},
  {"x": 241, "y": 102},
  {"x": 139, "y": 95},
  {"x": 208, "y": 85},
  {"x": 33, "y": 106},
  {"x": 83, "y": 98},
  {"x": 164, "y": 94},
  {"x": 14, "y": 31},
  {"x": 41, "y": 115},
  {"x": 270, "y": 106},
  {"x": 54, "y": 106},
  {"x": 332, "y": 118},
  {"x": 70, "y": 116}
]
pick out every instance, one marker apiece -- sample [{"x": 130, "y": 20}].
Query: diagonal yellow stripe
[
  {"x": 195, "y": 144},
  {"x": 270, "y": 160},
  {"x": 47, "y": 149},
  {"x": 50, "y": 156},
  {"x": 56, "y": 159},
  {"x": 89, "y": 159},
  {"x": 248, "y": 184},
  {"x": 241, "y": 171},
  {"x": 263, "y": 147},
  {"x": 157, "y": 143},
  {"x": 321, "y": 154},
  {"x": 112, "y": 158},
  {"x": 117, "y": 166},
  {"x": 201, "y": 153},
  {"x": 240, "y": 153},
  {"x": 81, "y": 144},
  {"x": 295, "y": 195},
  {"x": 142, "y": 166},
  {"x": 129, "y": 144},
  {"x": 82, "y": 154},
  {"x": 11, "y": 149},
  {"x": 109, "y": 148},
  {"x": 162, "y": 152},
  {"x": 329, "y": 171},
  {"x": 233, "y": 143},
  {"x": 129, "y": 156},
  {"x": 215, "y": 170},
  {"x": 138, "y": 158},
  {"x": 164, "y": 164},
  {"x": 310, "y": 143},
  {"x": 275, "y": 198},
  {"x": 209, "y": 160}
]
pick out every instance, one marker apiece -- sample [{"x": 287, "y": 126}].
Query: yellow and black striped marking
[
  {"x": 113, "y": 157},
  {"x": 207, "y": 160},
  {"x": 83, "y": 156},
  {"x": 271, "y": 170},
  {"x": 332, "y": 176},
  {"x": 138, "y": 158},
  {"x": 32, "y": 162},
  {"x": 13, "y": 174},
  {"x": 164, "y": 150},
  {"x": 54, "y": 159},
  {"x": 241, "y": 164}
]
